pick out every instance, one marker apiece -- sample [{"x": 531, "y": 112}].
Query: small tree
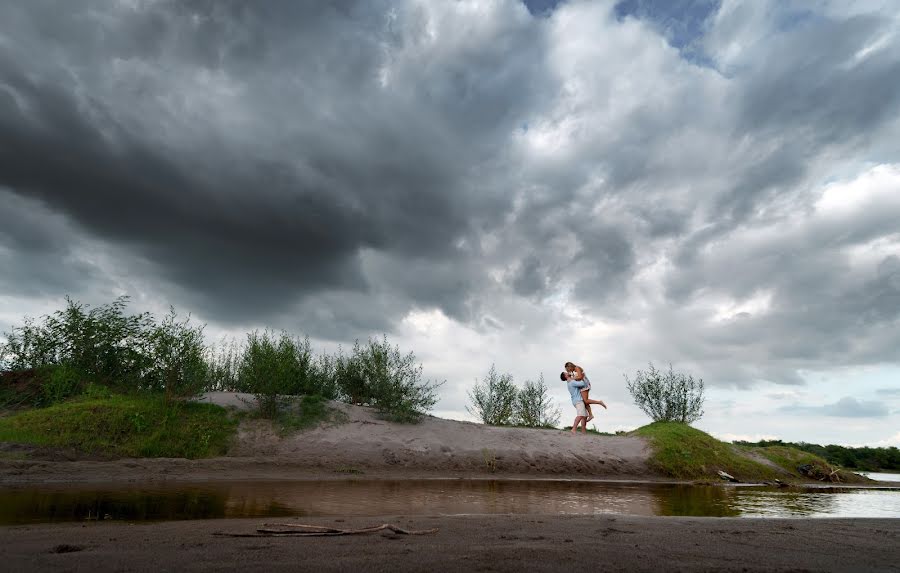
[
  {"x": 378, "y": 374},
  {"x": 178, "y": 365},
  {"x": 100, "y": 344},
  {"x": 268, "y": 368},
  {"x": 494, "y": 398},
  {"x": 667, "y": 396},
  {"x": 534, "y": 408}
]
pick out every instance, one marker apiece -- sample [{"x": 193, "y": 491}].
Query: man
[
  {"x": 574, "y": 387},
  {"x": 577, "y": 372}
]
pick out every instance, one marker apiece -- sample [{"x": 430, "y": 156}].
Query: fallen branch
[{"x": 300, "y": 530}]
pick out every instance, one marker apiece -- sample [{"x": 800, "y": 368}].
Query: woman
[{"x": 577, "y": 373}]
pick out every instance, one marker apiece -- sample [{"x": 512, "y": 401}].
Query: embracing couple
[{"x": 579, "y": 386}]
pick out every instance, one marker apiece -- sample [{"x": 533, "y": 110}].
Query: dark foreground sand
[{"x": 467, "y": 543}]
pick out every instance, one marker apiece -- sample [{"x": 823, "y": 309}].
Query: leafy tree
[
  {"x": 667, "y": 396},
  {"x": 494, "y": 398},
  {"x": 268, "y": 366},
  {"x": 178, "y": 366},
  {"x": 378, "y": 374},
  {"x": 534, "y": 408},
  {"x": 101, "y": 344}
]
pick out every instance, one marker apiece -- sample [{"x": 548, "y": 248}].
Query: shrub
[
  {"x": 102, "y": 343},
  {"x": 177, "y": 364},
  {"x": 61, "y": 383},
  {"x": 534, "y": 408},
  {"x": 379, "y": 375},
  {"x": 268, "y": 365},
  {"x": 494, "y": 398},
  {"x": 350, "y": 377},
  {"x": 223, "y": 364},
  {"x": 667, "y": 396}
]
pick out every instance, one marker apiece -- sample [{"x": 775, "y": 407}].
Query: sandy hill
[{"x": 364, "y": 442}]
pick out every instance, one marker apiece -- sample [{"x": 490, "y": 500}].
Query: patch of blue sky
[
  {"x": 542, "y": 7},
  {"x": 682, "y": 22}
]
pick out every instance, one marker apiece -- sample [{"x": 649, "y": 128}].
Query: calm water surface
[
  {"x": 431, "y": 497},
  {"x": 882, "y": 476}
]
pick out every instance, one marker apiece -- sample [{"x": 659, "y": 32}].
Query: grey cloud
[
  {"x": 327, "y": 167},
  {"x": 329, "y": 162},
  {"x": 846, "y": 407},
  {"x": 530, "y": 278},
  {"x": 888, "y": 392}
]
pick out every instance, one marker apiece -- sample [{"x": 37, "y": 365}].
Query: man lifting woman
[{"x": 579, "y": 386}]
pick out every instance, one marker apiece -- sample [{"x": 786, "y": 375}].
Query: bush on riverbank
[
  {"x": 78, "y": 345},
  {"x": 667, "y": 396},
  {"x": 497, "y": 401},
  {"x": 124, "y": 426},
  {"x": 54, "y": 359}
]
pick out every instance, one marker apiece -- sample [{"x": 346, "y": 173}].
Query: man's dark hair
[
  {"x": 567, "y": 364},
  {"x": 562, "y": 376}
]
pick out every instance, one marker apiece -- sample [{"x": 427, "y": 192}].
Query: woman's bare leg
[
  {"x": 587, "y": 405},
  {"x": 588, "y": 402}
]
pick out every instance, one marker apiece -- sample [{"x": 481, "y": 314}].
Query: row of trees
[
  {"x": 104, "y": 345},
  {"x": 863, "y": 459},
  {"x": 497, "y": 401},
  {"x": 79, "y": 346},
  {"x": 665, "y": 396}
]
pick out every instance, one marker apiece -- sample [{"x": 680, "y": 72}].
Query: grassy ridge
[
  {"x": 125, "y": 426},
  {"x": 683, "y": 452}
]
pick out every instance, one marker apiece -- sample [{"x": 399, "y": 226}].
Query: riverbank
[
  {"x": 354, "y": 441},
  {"x": 489, "y": 543}
]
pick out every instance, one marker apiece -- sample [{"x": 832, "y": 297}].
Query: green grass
[
  {"x": 790, "y": 458},
  {"x": 683, "y": 452},
  {"x": 307, "y": 412},
  {"x": 125, "y": 426}
]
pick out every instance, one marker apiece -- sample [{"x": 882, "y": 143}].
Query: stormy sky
[{"x": 712, "y": 184}]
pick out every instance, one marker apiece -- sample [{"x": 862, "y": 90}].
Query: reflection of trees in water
[
  {"x": 688, "y": 500},
  {"x": 417, "y": 497},
  {"x": 724, "y": 501},
  {"x": 780, "y": 503},
  {"x": 24, "y": 505}
]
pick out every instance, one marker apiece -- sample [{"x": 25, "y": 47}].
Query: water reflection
[{"x": 432, "y": 497}]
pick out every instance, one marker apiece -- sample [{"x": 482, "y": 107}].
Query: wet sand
[{"x": 466, "y": 543}]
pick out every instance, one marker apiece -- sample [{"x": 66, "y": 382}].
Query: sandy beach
[
  {"x": 362, "y": 444},
  {"x": 466, "y": 543}
]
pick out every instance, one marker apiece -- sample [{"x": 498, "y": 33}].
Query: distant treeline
[{"x": 863, "y": 459}]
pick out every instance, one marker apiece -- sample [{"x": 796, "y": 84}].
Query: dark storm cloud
[
  {"x": 323, "y": 163},
  {"x": 330, "y": 166},
  {"x": 37, "y": 252},
  {"x": 530, "y": 278}
]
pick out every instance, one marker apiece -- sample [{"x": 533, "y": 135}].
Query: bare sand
[
  {"x": 363, "y": 444},
  {"x": 470, "y": 543}
]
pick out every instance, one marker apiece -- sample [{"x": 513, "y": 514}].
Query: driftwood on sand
[{"x": 300, "y": 530}]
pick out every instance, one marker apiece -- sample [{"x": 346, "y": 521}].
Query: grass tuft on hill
[
  {"x": 306, "y": 412},
  {"x": 125, "y": 426},
  {"x": 683, "y": 452}
]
